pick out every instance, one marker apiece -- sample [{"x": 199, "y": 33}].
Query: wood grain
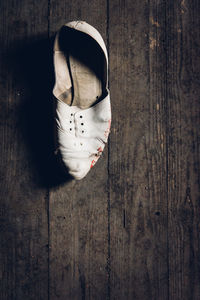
[
  {"x": 24, "y": 236},
  {"x": 130, "y": 229},
  {"x": 183, "y": 114},
  {"x": 137, "y": 160}
]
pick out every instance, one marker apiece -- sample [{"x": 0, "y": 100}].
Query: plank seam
[
  {"x": 167, "y": 137},
  {"x": 48, "y": 190},
  {"x": 108, "y": 163}
]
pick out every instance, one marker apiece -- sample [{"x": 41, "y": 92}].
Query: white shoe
[{"x": 83, "y": 111}]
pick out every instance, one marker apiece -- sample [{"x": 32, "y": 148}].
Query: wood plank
[
  {"x": 24, "y": 234},
  {"x": 137, "y": 151},
  {"x": 183, "y": 113},
  {"x": 78, "y": 210}
]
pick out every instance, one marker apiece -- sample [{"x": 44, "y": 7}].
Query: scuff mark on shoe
[{"x": 108, "y": 129}]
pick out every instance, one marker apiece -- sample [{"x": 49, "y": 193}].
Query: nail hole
[{"x": 157, "y": 213}]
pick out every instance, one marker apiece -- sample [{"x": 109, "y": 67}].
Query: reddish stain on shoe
[
  {"x": 108, "y": 129},
  {"x": 100, "y": 149},
  {"x": 92, "y": 163}
]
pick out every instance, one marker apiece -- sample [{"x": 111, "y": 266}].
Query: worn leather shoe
[{"x": 83, "y": 110}]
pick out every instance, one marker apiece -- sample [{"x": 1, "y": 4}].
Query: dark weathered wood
[
  {"x": 137, "y": 152},
  {"x": 130, "y": 229},
  {"x": 24, "y": 236},
  {"x": 78, "y": 210},
  {"x": 183, "y": 117}
]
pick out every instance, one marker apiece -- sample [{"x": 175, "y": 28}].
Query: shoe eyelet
[
  {"x": 70, "y": 129},
  {"x": 81, "y": 144},
  {"x": 71, "y": 114},
  {"x": 81, "y": 116},
  {"x": 82, "y": 124},
  {"x": 82, "y": 131},
  {"x": 70, "y": 121}
]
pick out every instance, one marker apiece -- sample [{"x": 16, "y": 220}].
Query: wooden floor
[{"x": 131, "y": 228}]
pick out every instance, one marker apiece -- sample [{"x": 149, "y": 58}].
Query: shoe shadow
[{"x": 31, "y": 64}]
